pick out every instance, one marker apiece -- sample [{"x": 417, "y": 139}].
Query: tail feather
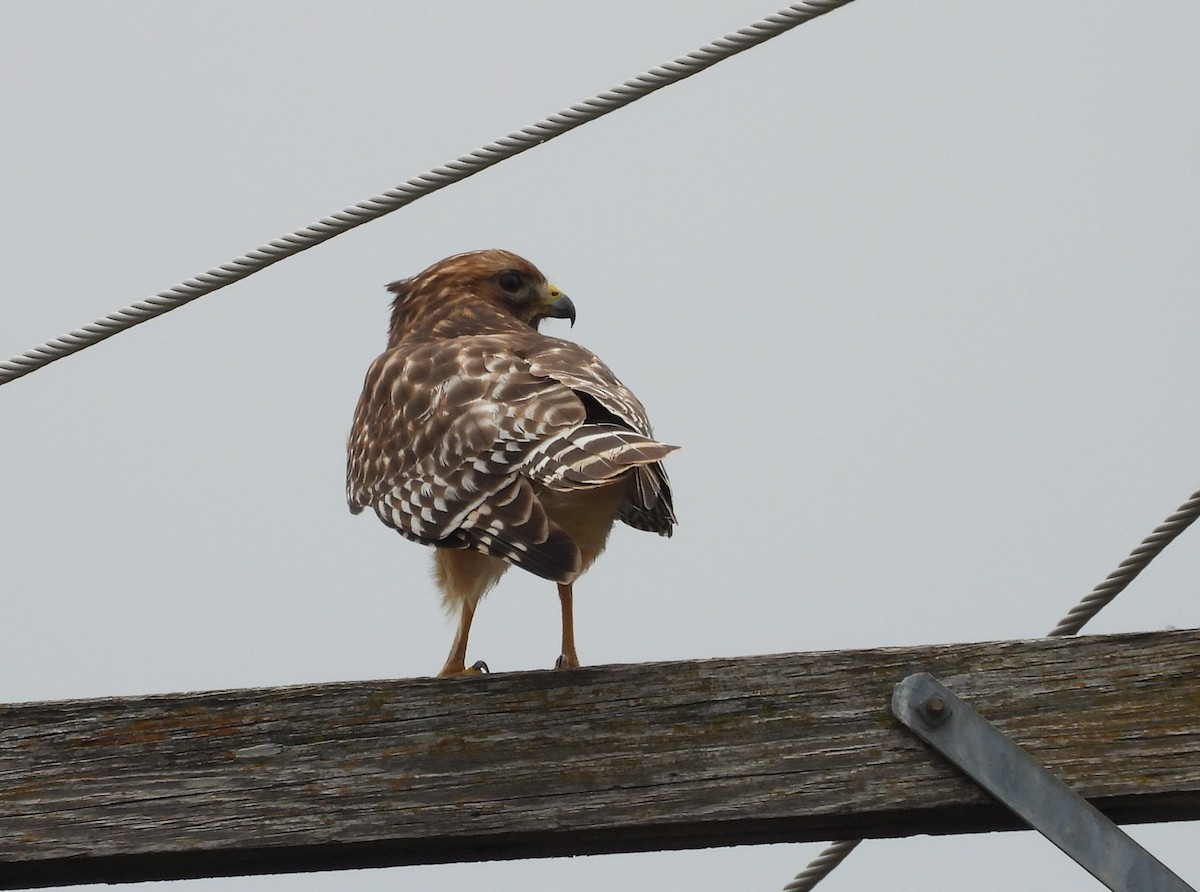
[{"x": 650, "y": 506}]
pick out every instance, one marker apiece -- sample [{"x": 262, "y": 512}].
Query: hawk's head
[{"x": 477, "y": 283}]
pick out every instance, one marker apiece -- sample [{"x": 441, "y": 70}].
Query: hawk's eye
[{"x": 510, "y": 282}]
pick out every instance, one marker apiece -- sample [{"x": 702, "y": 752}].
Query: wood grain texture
[{"x": 779, "y": 748}]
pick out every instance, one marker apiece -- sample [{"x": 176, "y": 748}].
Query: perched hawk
[{"x": 496, "y": 444}]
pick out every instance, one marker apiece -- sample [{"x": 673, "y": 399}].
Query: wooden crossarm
[{"x": 789, "y": 747}]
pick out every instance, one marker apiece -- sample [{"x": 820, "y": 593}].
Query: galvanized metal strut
[{"x": 1001, "y": 767}]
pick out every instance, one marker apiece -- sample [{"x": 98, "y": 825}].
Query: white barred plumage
[{"x": 497, "y": 444}]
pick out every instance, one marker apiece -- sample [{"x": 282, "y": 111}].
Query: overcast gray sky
[{"x": 914, "y": 286}]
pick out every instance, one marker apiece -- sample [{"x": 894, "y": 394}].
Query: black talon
[{"x": 481, "y": 667}]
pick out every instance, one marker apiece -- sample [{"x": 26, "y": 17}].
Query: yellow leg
[
  {"x": 568, "y": 659},
  {"x": 456, "y": 663}
]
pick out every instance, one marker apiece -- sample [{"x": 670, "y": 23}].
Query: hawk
[{"x": 497, "y": 444}]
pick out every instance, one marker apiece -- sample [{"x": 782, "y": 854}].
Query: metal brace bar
[{"x": 990, "y": 759}]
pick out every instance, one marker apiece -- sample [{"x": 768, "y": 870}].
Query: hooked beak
[{"x": 560, "y": 306}]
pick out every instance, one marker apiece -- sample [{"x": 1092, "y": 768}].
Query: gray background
[{"x": 913, "y": 286}]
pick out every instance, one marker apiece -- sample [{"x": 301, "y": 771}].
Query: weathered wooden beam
[{"x": 605, "y": 759}]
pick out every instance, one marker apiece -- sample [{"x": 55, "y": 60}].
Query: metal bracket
[{"x": 998, "y": 765}]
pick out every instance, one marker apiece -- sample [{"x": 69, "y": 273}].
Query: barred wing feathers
[
  {"x": 452, "y": 438},
  {"x": 611, "y": 407}
]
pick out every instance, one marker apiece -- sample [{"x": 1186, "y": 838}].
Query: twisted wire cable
[
  {"x": 1082, "y": 613},
  {"x": 1118, "y": 580},
  {"x": 438, "y": 178},
  {"x": 821, "y": 866}
]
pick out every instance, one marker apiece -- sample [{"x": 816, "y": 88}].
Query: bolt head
[{"x": 934, "y": 709}]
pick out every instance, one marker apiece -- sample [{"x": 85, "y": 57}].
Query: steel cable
[
  {"x": 438, "y": 178},
  {"x": 821, "y": 866},
  {"x": 1118, "y": 580}
]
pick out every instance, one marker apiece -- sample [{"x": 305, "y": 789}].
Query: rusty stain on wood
[{"x": 790, "y": 747}]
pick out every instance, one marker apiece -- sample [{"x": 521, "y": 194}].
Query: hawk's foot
[{"x": 479, "y": 667}]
